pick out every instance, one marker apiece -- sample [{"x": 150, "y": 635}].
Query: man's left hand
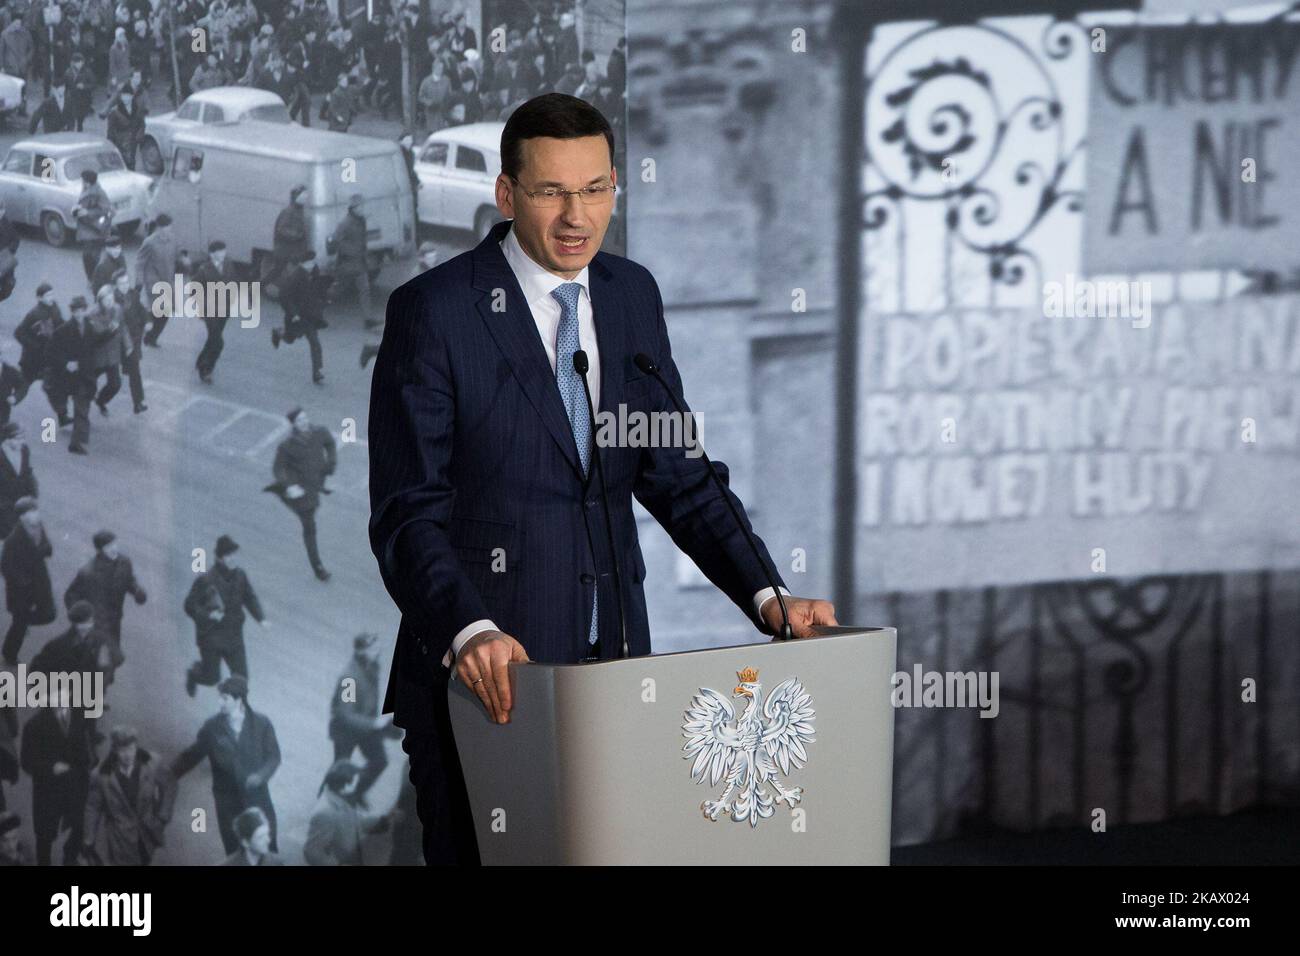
[{"x": 804, "y": 613}]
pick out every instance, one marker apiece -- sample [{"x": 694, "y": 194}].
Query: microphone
[
  {"x": 646, "y": 365},
  {"x": 580, "y": 365}
]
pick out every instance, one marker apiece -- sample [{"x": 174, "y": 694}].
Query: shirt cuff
[
  {"x": 462, "y": 637},
  {"x": 762, "y": 597}
]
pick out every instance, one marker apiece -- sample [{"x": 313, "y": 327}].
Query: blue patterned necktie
[{"x": 572, "y": 392}]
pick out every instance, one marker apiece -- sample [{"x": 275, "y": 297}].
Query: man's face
[
  {"x": 48, "y": 298},
  {"x": 229, "y": 704},
  {"x": 31, "y": 519},
  {"x": 301, "y": 422},
  {"x": 126, "y": 753},
  {"x": 218, "y": 257},
  {"x": 110, "y": 550},
  {"x": 568, "y": 164},
  {"x": 85, "y": 627}
]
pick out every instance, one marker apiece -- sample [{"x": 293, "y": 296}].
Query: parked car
[
  {"x": 458, "y": 168},
  {"x": 40, "y": 181},
  {"x": 11, "y": 96},
  {"x": 221, "y": 104},
  {"x": 230, "y": 182}
]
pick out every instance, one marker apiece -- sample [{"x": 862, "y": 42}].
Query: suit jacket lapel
[{"x": 516, "y": 335}]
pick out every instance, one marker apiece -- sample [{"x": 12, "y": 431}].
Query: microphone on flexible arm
[
  {"x": 647, "y": 365},
  {"x": 580, "y": 365}
]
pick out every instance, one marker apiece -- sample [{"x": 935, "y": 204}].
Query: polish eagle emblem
[{"x": 747, "y": 752}]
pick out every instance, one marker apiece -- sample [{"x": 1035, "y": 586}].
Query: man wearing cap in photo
[
  {"x": 55, "y": 111},
  {"x": 289, "y": 237},
  {"x": 216, "y": 603},
  {"x": 337, "y": 829},
  {"x": 13, "y": 852},
  {"x": 355, "y": 720},
  {"x": 105, "y": 580},
  {"x": 241, "y": 747},
  {"x": 254, "y": 833},
  {"x": 70, "y": 374},
  {"x": 36, "y": 332},
  {"x": 29, "y": 596},
  {"x": 94, "y": 216},
  {"x": 81, "y": 648},
  {"x": 57, "y": 753},
  {"x": 109, "y": 262},
  {"x": 80, "y": 86},
  {"x": 131, "y": 797},
  {"x": 213, "y": 273},
  {"x": 156, "y": 264},
  {"x": 304, "y": 311},
  {"x": 302, "y": 463},
  {"x": 351, "y": 257},
  {"x": 17, "y": 479}
]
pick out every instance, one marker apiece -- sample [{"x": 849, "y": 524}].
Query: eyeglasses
[{"x": 593, "y": 195}]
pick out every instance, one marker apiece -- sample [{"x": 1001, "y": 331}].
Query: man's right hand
[{"x": 483, "y": 665}]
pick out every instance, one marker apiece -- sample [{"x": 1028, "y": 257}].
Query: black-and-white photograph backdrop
[{"x": 992, "y": 308}]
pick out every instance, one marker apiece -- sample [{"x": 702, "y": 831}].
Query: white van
[{"x": 229, "y": 182}]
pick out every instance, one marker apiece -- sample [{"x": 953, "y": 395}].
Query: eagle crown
[{"x": 748, "y": 683}]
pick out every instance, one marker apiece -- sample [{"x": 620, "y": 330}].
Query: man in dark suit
[
  {"x": 56, "y": 111},
  {"x": 213, "y": 273},
  {"x": 71, "y": 372},
  {"x": 241, "y": 746},
  {"x": 485, "y": 521},
  {"x": 29, "y": 594},
  {"x": 216, "y": 603},
  {"x": 57, "y": 752}
]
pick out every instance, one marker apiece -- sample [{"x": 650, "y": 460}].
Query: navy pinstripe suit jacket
[{"x": 471, "y": 451}]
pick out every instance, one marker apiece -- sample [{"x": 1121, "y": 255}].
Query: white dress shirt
[{"x": 537, "y": 284}]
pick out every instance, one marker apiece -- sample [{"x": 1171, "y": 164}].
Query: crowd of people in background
[
  {"x": 109, "y": 792},
  {"x": 327, "y": 68}
]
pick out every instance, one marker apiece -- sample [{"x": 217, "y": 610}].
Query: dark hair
[{"x": 552, "y": 114}]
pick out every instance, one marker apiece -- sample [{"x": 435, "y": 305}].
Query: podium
[{"x": 769, "y": 753}]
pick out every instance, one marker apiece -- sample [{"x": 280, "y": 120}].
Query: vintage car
[
  {"x": 221, "y": 104},
  {"x": 457, "y": 168},
  {"x": 11, "y": 96},
  {"x": 40, "y": 181}
]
